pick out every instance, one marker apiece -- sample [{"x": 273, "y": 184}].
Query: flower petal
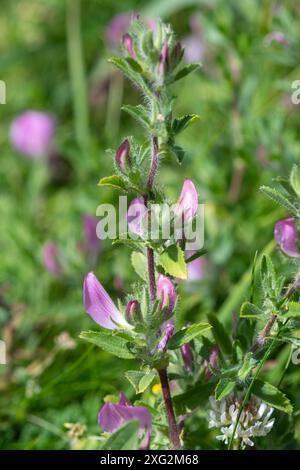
[
  {"x": 285, "y": 233},
  {"x": 99, "y": 305}
]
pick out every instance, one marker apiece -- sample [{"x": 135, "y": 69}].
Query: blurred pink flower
[
  {"x": 276, "y": 36},
  {"x": 32, "y": 133},
  {"x": 196, "y": 267},
  {"x": 117, "y": 28},
  {"x": 91, "y": 241},
  {"x": 51, "y": 258},
  {"x": 113, "y": 416},
  {"x": 285, "y": 233}
]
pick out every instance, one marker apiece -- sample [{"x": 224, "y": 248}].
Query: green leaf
[
  {"x": 114, "y": 181},
  {"x": 140, "y": 380},
  {"x": 173, "y": 262},
  {"x": 272, "y": 396},
  {"x": 139, "y": 113},
  {"x": 189, "y": 333},
  {"x": 179, "y": 124},
  {"x": 248, "y": 364},
  {"x": 177, "y": 152},
  {"x": 126, "y": 66},
  {"x": 109, "y": 342},
  {"x": 224, "y": 388},
  {"x": 295, "y": 179},
  {"x": 139, "y": 263},
  {"x": 126, "y": 438},
  {"x": 249, "y": 310},
  {"x": 193, "y": 397},
  {"x": 221, "y": 337},
  {"x": 185, "y": 71},
  {"x": 279, "y": 198},
  {"x": 293, "y": 310}
]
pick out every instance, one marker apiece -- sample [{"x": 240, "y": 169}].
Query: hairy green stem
[{"x": 77, "y": 73}]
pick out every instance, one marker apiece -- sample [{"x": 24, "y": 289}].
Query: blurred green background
[{"x": 247, "y": 135}]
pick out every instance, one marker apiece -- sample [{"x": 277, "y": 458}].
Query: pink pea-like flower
[
  {"x": 136, "y": 215},
  {"x": 195, "y": 268},
  {"x": 32, "y": 133},
  {"x": 113, "y": 416},
  {"x": 122, "y": 156},
  {"x": 128, "y": 44},
  {"x": 100, "y": 306},
  {"x": 167, "y": 335},
  {"x": 51, "y": 258},
  {"x": 285, "y": 233}
]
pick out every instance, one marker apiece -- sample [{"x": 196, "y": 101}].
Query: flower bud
[
  {"x": 285, "y": 233},
  {"x": 122, "y": 156},
  {"x": 188, "y": 201},
  {"x": 128, "y": 44},
  {"x": 133, "y": 311},
  {"x": 168, "y": 333},
  {"x": 167, "y": 293},
  {"x": 187, "y": 356},
  {"x": 177, "y": 53},
  {"x": 164, "y": 60}
]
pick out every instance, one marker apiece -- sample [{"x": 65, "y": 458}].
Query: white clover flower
[{"x": 254, "y": 420}]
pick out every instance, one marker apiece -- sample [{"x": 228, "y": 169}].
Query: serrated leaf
[
  {"x": 179, "y": 124},
  {"x": 126, "y": 438},
  {"x": 139, "y": 113},
  {"x": 221, "y": 337},
  {"x": 189, "y": 333},
  {"x": 139, "y": 263},
  {"x": 173, "y": 262},
  {"x": 140, "y": 380},
  {"x": 249, "y": 310},
  {"x": 109, "y": 342},
  {"x": 224, "y": 388},
  {"x": 272, "y": 396},
  {"x": 279, "y": 198},
  {"x": 126, "y": 67},
  {"x": 185, "y": 71},
  {"x": 113, "y": 181}
]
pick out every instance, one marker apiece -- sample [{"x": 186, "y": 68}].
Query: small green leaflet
[
  {"x": 272, "y": 396},
  {"x": 185, "y": 71},
  {"x": 248, "y": 364},
  {"x": 179, "y": 124},
  {"x": 293, "y": 310},
  {"x": 140, "y": 380},
  {"x": 173, "y": 262},
  {"x": 249, "y": 310},
  {"x": 189, "y": 333},
  {"x": 114, "y": 181},
  {"x": 278, "y": 197},
  {"x": 109, "y": 342},
  {"x": 139, "y": 113},
  {"x": 139, "y": 263},
  {"x": 295, "y": 179},
  {"x": 125, "y": 438},
  {"x": 220, "y": 334},
  {"x": 224, "y": 388}
]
